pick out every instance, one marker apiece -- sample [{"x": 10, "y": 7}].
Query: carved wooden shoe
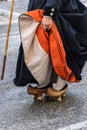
[
  {"x": 37, "y": 92},
  {"x": 51, "y": 92}
]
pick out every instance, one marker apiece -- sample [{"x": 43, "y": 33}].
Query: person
[{"x": 70, "y": 18}]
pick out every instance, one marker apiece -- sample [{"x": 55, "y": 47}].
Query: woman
[{"x": 70, "y": 17}]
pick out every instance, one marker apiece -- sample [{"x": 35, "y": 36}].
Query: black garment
[
  {"x": 36, "y": 4},
  {"x": 70, "y": 16}
]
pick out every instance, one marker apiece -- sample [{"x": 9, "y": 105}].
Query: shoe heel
[
  {"x": 39, "y": 97},
  {"x": 59, "y": 98}
]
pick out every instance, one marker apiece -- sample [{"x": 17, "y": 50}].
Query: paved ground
[{"x": 18, "y": 110}]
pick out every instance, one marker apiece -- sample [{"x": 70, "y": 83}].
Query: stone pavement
[{"x": 18, "y": 110}]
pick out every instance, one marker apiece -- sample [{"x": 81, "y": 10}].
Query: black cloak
[{"x": 71, "y": 21}]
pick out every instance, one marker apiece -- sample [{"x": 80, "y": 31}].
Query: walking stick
[{"x": 7, "y": 40}]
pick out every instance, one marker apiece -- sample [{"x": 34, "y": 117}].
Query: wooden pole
[{"x": 7, "y": 40}]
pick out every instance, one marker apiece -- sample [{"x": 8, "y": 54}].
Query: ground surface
[{"x": 18, "y": 110}]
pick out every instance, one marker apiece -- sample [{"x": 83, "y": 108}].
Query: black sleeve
[{"x": 52, "y": 7}]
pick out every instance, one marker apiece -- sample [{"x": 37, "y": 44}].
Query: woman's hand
[{"x": 46, "y": 23}]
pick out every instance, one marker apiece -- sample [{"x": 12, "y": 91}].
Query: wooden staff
[{"x": 7, "y": 40}]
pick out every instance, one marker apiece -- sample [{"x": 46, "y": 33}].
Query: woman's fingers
[
  {"x": 46, "y": 23},
  {"x": 46, "y": 27}
]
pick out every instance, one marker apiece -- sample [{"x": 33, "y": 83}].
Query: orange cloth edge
[{"x": 58, "y": 62}]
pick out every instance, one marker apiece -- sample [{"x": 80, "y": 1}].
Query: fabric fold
[{"x": 43, "y": 50}]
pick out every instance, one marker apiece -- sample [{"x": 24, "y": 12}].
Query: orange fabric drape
[{"x": 53, "y": 46}]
